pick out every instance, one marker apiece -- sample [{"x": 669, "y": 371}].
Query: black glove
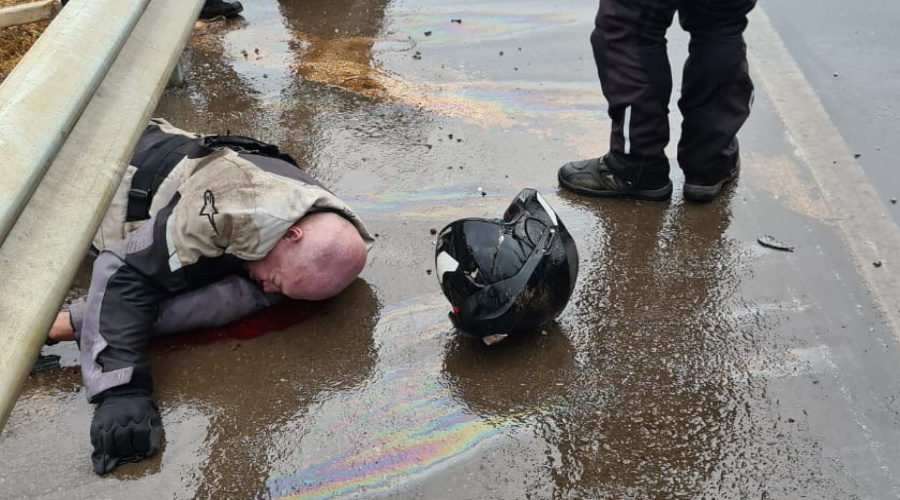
[{"x": 126, "y": 429}]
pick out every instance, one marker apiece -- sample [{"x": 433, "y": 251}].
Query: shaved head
[{"x": 316, "y": 259}]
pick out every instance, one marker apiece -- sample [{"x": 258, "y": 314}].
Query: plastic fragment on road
[
  {"x": 770, "y": 242},
  {"x": 494, "y": 339}
]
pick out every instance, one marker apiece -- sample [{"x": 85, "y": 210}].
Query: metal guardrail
[
  {"x": 40, "y": 101},
  {"x": 71, "y": 113}
]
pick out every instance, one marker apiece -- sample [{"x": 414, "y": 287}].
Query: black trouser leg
[
  {"x": 629, "y": 43},
  {"x": 716, "y": 90}
]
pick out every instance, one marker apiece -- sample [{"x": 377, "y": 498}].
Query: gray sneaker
[
  {"x": 709, "y": 192},
  {"x": 593, "y": 178}
]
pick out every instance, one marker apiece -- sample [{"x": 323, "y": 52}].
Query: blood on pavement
[{"x": 272, "y": 319}]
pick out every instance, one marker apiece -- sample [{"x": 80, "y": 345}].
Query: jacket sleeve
[
  {"x": 130, "y": 282},
  {"x": 215, "y": 305}
]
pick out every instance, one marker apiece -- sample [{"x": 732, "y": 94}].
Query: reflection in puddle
[
  {"x": 404, "y": 423},
  {"x": 344, "y": 62},
  {"x": 457, "y": 78},
  {"x": 270, "y": 57},
  {"x": 506, "y": 105},
  {"x": 257, "y": 46}
]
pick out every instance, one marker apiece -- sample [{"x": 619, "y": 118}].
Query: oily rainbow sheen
[
  {"x": 415, "y": 426},
  {"x": 513, "y": 105},
  {"x": 445, "y": 432},
  {"x": 505, "y": 105},
  {"x": 406, "y": 201}
]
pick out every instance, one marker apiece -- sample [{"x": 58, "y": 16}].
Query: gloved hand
[{"x": 126, "y": 429}]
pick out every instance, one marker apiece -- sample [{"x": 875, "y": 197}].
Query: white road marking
[{"x": 862, "y": 216}]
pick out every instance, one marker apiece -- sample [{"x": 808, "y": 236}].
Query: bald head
[
  {"x": 334, "y": 251},
  {"x": 316, "y": 259}
]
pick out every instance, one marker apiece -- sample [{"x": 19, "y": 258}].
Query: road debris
[{"x": 770, "y": 242}]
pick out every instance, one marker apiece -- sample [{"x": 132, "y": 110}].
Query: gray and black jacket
[{"x": 173, "y": 247}]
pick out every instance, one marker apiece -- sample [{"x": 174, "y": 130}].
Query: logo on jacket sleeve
[{"x": 209, "y": 209}]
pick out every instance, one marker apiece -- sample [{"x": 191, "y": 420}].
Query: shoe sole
[
  {"x": 662, "y": 194},
  {"x": 702, "y": 193}
]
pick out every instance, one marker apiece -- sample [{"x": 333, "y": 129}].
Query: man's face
[
  {"x": 311, "y": 265},
  {"x": 282, "y": 271}
]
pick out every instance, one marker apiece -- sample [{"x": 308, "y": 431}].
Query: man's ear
[{"x": 293, "y": 234}]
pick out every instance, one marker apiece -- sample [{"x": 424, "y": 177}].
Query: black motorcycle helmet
[{"x": 510, "y": 274}]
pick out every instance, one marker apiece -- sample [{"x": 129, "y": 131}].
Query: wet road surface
[
  {"x": 851, "y": 57},
  {"x": 692, "y": 362}
]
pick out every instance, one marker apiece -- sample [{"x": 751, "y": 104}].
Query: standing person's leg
[
  {"x": 716, "y": 94},
  {"x": 629, "y": 43}
]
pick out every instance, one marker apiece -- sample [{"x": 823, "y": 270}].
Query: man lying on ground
[{"x": 202, "y": 231}]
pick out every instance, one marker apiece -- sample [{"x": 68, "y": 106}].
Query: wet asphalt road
[
  {"x": 851, "y": 55},
  {"x": 691, "y": 362}
]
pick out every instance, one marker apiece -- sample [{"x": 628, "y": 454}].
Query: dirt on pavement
[{"x": 16, "y": 40}]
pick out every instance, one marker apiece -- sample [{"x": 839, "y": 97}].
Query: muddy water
[{"x": 690, "y": 363}]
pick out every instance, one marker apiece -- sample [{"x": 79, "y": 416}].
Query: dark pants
[{"x": 629, "y": 44}]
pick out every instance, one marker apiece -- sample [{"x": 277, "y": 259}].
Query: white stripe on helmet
[
  {"x": 445, "y": 263},
  {"x": 547, "y": 208}
]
